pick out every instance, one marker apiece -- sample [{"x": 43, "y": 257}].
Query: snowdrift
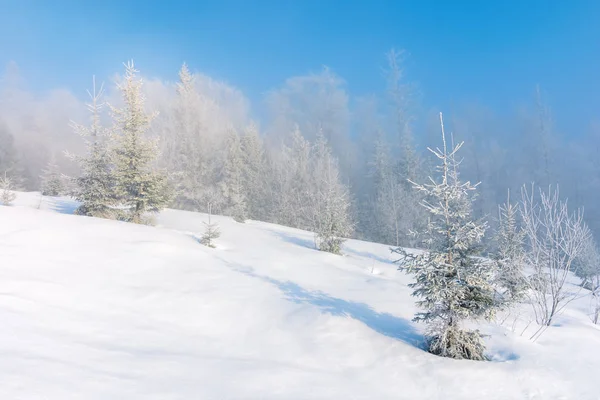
[{"x": 97, "y": 309}]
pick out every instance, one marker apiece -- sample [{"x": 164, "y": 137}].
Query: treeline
[{"x": 213, "y": 152}]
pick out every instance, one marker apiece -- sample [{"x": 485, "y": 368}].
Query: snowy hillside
[{"x": 97, "y": 309}]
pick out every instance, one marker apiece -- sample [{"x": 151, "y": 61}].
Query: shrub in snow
[
  {"x": 7, "y": 195},
  {"x": 451, "y": 283},
  {"x": 139, "y": 187}
]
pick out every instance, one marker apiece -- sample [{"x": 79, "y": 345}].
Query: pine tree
[
  {"x": 94, "y": 187},
  {"x": 51, "y": 180},
  {"x": 451, "y": 282},
  {"x": 7, "y": 194},
  {"x": 211, "y": 230},
  {"x": 509, "y": 256},
  {"x": 139, "y": 187},
  {"x": 233, "y": 185},
  {"x": 331, "y": 200}
]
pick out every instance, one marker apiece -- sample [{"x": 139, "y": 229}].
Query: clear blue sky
[{"x": 492, "y": 52}]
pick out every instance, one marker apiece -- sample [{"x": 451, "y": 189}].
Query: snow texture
[{"x": 99, "y": 309}]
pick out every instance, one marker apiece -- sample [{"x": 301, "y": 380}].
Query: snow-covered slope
[{"x": 97, "y": 309}]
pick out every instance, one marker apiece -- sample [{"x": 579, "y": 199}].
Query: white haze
[{"x": 502, "y": 151}]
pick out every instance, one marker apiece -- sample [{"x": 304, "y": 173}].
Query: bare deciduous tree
[{"x": 555, "y": 238}]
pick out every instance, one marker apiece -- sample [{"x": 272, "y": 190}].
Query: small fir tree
[
  {"x": 452, "y": 284},
  {"x": 51, "y": 180},
  {"x": 509, "y": 256},
  {"x": 587, "y": 265},
  {"x": 331, "y": 201},
  {"x": 211, "y": 230}
]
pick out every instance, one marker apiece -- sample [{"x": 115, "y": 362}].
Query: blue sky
[{"x": 490, "y": 52}]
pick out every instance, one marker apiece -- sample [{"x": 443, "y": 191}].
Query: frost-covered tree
[
  {"x": 94, "y": 186},
  {"x": 452, "y": 283},
  {"x": 51, "y": 179},
  {"x": 402, "y": 95},
  {"x": 139, "y": 187},
  {"x": 394, "y": 208},
  {"x": 587, "y": 265},
  {"x": 555, "y": 238},
  {"x": 8, "y": 152},
  {"x": 317, "y": 102},
  {"x": 186, "y": 148},
  {"x": 587, "y": 268},
  {"x": 289, "y": 187},
  {"x": 330, "y": 204},
  {"x": 7, "y": 194},
  {"x": 233, "y": 180},
  {"x": 253, "y": 173},
  {"x": 509, "y": 257}
]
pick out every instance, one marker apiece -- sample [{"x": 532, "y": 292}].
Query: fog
[{"x": 503, "y": 150}]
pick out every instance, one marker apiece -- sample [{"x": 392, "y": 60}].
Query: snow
[{"x": 97, "y": 309}]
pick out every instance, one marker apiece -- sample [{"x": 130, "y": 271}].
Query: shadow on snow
[
  {"x": 61, "y": 205},
  {"x": 383, "y": 323}
]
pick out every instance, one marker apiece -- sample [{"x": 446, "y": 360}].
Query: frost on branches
[
  {"x": 452, "y": 283},
  {"x": 587, "y": 264},
  {"x": 7, "y": 195},
  {"x": 509, "y": 258},
  {"x": 138, "y": 186},
  {"x": 52, "y": 184},
  {"x": 555, "y": 238},
  {"x": 254, "y": 171},
  {"x": 233, "y": 180},
  {"x": 94, "y": 188},
  {"x": 331, "y": 201}
]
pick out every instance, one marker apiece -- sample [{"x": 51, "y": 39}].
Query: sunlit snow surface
[{"x": 97, "y": 309}]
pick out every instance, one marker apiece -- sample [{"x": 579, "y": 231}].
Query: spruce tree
[
  {"x": 587, "y": 265},
  {"x": 331, "y": 200},
  {"x": 51, "y": 180},
  {"x": 509, "y": 256},
  {"x": 139, "y": 187},
  {"x": 453, "y": 285},
  {"x": 94, "y": 187},
  {"x": 254, "y": 173},
  {"x": 232, "y": 184},
  {"x": 187, "y": 149},
  {"x": 293, "y": 208},
  {"x": 211, "y": 230}
]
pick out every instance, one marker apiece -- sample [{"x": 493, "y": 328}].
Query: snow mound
[{"x": 97, "y": 309}]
